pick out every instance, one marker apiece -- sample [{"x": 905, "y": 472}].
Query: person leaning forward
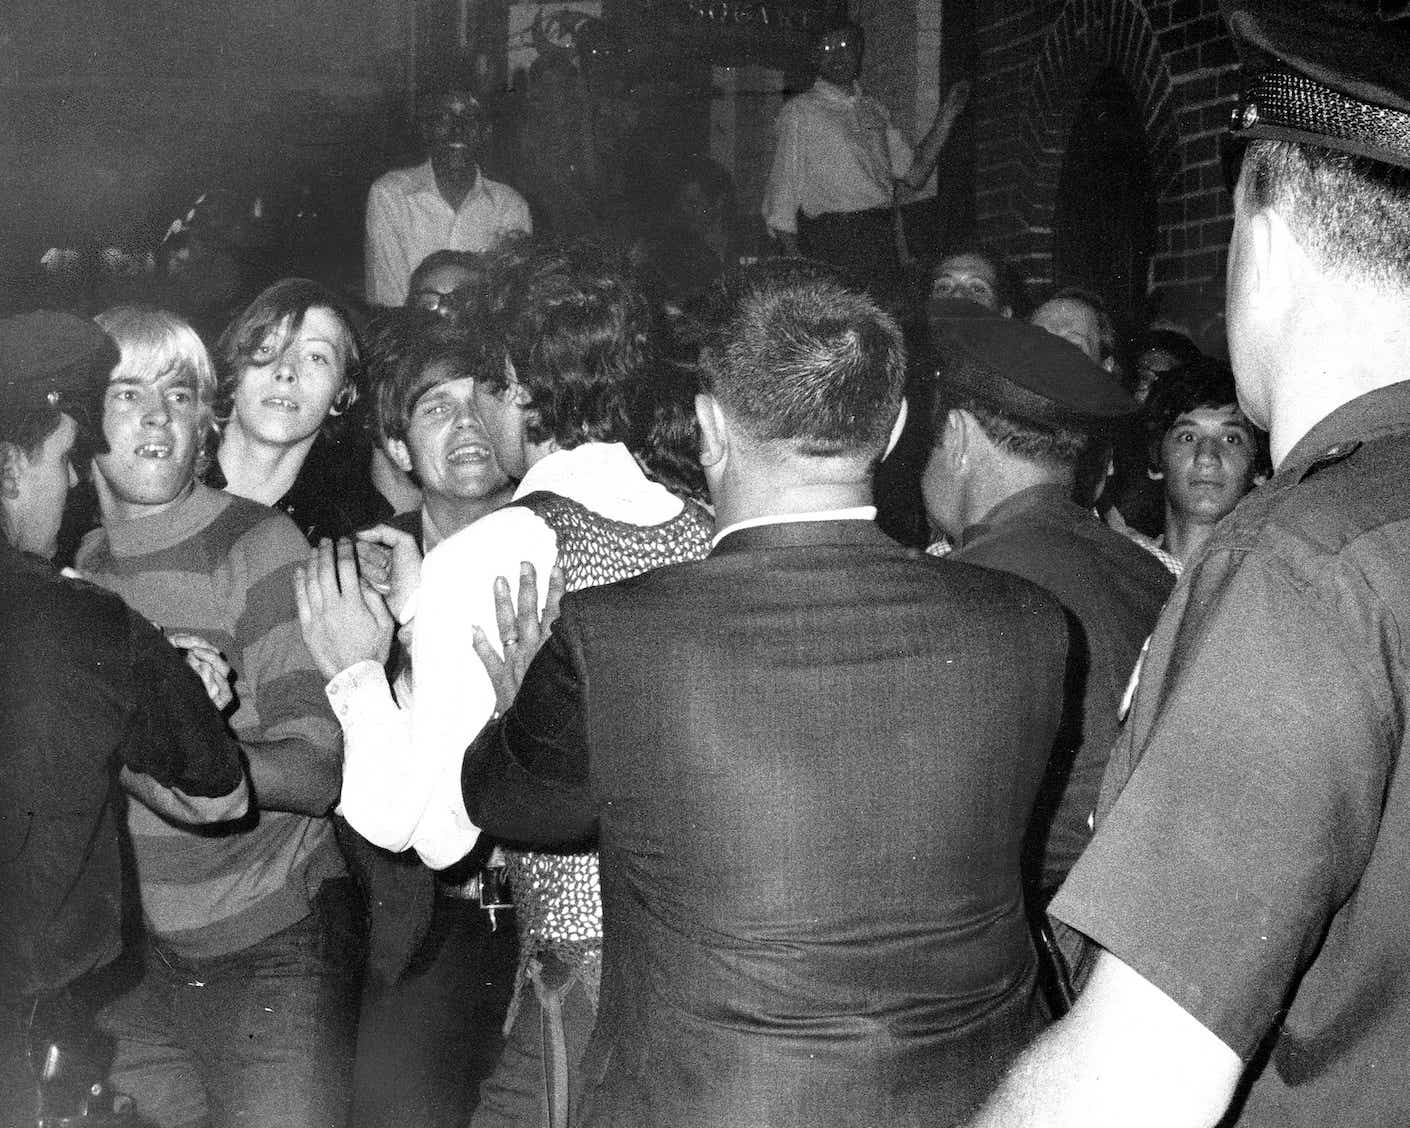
[
  {"x": 91, "y": 696},
  {"x": 808, "y": 761},
  {"x": 1251, "y": 868}
]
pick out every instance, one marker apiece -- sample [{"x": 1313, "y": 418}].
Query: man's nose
[{"x": 1207, "y": 450}]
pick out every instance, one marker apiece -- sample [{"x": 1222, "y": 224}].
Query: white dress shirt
[
  {"x": 836, "y": 152},
  {"x": 407, "y": 219},
  {"x": 401, "y": 771}
]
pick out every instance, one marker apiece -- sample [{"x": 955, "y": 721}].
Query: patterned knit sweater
[
  {"x": 557, "y": 898},
  {"x": 222, "y": 567}
]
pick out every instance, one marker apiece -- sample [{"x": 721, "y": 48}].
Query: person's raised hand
[
  {"x": 522, "y": 630},
  {"x": 343, "y": 620}
]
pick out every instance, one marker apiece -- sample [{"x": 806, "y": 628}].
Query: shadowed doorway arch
[{"x": 1105, "y": 217}]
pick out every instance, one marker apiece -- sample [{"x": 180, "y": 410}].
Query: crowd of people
[{"x": 592, "y": 682}]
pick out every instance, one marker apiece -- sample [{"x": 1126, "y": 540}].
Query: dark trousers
[
  {"x": 427, "y": 1041},
  {"x": 260, "y": 1038},
  {"x": 861, "y": 244}
]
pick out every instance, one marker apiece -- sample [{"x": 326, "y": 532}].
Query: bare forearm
[{"x": 1126, "y": 1054}]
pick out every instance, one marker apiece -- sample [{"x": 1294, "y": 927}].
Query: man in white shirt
[
  {"x": 836, "y": 163},
  {"x": 446, "y": 202}
]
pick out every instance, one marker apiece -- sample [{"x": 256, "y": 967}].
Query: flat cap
[
  {"x": 1029, "y": 374},
  {"x": 51, "y": 358},
  {"x": 1334, "y": 73}
]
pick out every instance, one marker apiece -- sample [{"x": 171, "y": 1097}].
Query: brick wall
[{"x": 1037, "y": 62}]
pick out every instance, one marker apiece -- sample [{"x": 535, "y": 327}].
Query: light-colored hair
[{"x": 152, "y": 342}]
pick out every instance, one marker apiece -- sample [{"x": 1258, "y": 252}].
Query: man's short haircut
[
  {"x": 413, "y": 374},
  {"x": 1203, "y": 383},
  {"x": 155, "y": 342},
  {"x": 289, "y": 299},
  {"x": 797, "y": 357},
  {"x": 1351, "y": 214},
  {"x": 1053, "y": 447},
  {"x": 579, "y": 333}
]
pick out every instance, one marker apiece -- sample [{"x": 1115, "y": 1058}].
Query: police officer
[
  {"x": 1250, "y": 873},
  {"x": 91, "y": 698},
  {"x": 1015, "y": 411}
]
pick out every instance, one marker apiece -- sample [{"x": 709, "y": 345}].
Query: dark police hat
[
  {"x": 52, "y": 359},
  {"x": 1334, "y": 73},
  {"x": 1027, "y": 373}
]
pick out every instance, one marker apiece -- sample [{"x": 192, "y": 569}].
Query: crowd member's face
[
  {"x": 153, "y": 425},
  {"x": 969, "y": 278},
  {"x": 505, "y": 415},
  {"x": 286, "y": 390},
  {"x": 452, "y": 130},
  {"x": 447, "y": 445},
  {"x": 1074, "y": 321},
  {"x": 838, "y": 56},
  {"x": 1207, "y": 458},
  {"x": 433, "y": 292},
  {"x": 42, "y": 480}
]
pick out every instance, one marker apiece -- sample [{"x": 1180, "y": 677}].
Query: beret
[
  {"x": 1028, "y": 373},
  {"x": 1334, "y": 73},
  {"x": 49, "y": 358}
]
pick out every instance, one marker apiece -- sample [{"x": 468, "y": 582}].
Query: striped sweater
[{"x": 222, "y": 567}]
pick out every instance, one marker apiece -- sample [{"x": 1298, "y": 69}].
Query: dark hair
[
  {"x": 1203, "y": 383},
  {"x": 1177, "y": 345},
  {"x": 1351, "y": 214},
  {"x": 578, "y": 332},
  {"x": 289, "y": 299},
  {"x": 669, "y": 446},
  {"x": 797, "y": 357},
  {"x": 410, "y": 376}
]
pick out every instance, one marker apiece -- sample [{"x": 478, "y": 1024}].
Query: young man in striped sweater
[{"x": 245, "y": 1009}]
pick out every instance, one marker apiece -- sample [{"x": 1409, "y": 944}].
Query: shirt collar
[
  {"x": 1373, "y": 415},
  {"x": 856, "y": 513},
  {"x": 605, "y": 478}
]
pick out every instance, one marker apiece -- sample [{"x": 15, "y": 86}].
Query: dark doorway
[{"x": 1104, "y": 229}]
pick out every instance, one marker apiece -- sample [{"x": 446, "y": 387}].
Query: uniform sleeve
[
  {"x": 383, "y": 796},
  {"x": 783, "y": 190},
  {"x": 525, "y": 779},
  {"x": 177, "y": 737},
  {"x": 388, "y": 266},
  {"x": 1254, "y": 802}
]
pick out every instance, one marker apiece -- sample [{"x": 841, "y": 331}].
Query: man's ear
[
  {"x": 897, "y": 427},
  {"x": 12, "y": 467},
  {"x": 399, "y": 453},
  {"x": 714, "y": 438},
  {"x": 957, "y": 437}
]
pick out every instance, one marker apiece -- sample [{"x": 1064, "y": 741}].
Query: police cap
[
  {"x": 52, "y": 359},
  {"x": 1028, "y": 374},
  {"x": 1334, "y": 73}
]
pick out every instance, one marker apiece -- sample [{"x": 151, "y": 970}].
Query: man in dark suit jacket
[{"x": 808, "y": 761}]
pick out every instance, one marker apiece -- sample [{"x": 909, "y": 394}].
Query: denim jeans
[
  {"x": 260, "y": 1038},
  {"x": 537, "y": 1082}
]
